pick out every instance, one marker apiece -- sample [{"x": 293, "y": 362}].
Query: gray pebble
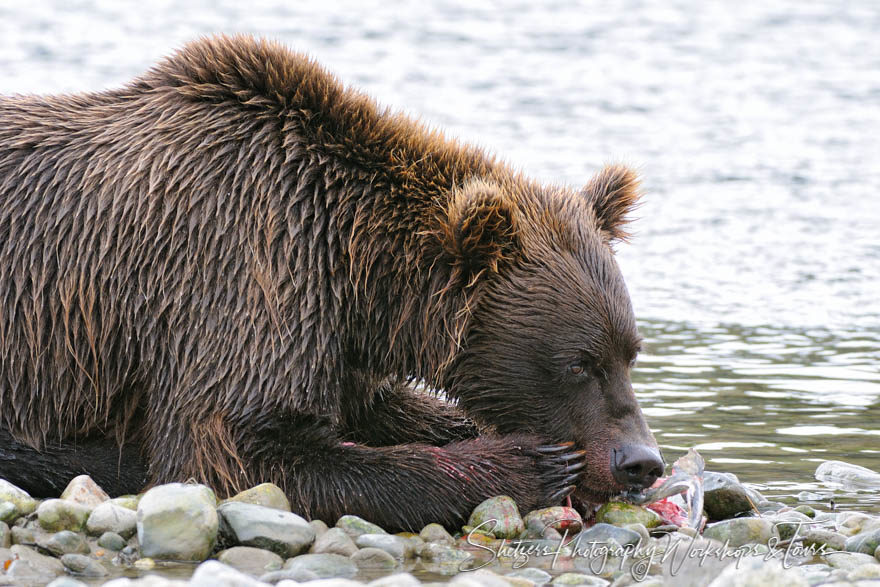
[
  {"x": 65, "y": 542},
  {"x": 5, "y": 535},
  {"x": 334, "y": 541},
  {"x": 355, "y": 526},
  {"x": 250, "y": 560},
  {"x": 82, "y": 565},
  {"x": 395, "y": 580},
  {"x": 373, "y": 558},
  {"x": 109, "y": 517},
  {"x": 436, "y": 533},
  {"x": 55, "y": 515},
  {"x": 296, "y": 575},
  {"x": 323, "y": 565},
  {"x": 215, "y": 574},
  {"x": 740, "y": 531},
  {"x": 283, "y": 533},
  {"x": 397, "y": 546},
  {"x": 177, "y": 522},
  {"x": 111, "y": 541}
]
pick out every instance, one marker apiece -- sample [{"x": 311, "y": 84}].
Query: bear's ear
[
  {"x": 478, "y": 231},
  {"x": 613, "y": 193}
]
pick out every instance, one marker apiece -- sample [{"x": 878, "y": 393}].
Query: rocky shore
[{"x": 178, "y": 534}]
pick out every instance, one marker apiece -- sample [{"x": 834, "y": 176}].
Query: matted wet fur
[{"x": 233, "y": 266}]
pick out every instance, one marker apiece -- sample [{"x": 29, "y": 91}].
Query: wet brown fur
[{"x": 237, "y": 263}]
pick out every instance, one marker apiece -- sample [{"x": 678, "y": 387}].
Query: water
[{"x": 756, "y": 264}]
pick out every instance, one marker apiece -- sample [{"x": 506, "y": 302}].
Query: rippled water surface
[{"x": 756, "y": 263}]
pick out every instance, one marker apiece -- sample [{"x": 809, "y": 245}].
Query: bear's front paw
[{"x": 562, "y": 467}]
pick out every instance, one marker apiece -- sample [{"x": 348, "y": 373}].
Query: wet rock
[
  {"x": 111, "y": 541},
  {"x": 129, "y": 502},
  {"x": 55, "y": 515},
  {"x": 80, "y": 564},
  {"x": 789, "y": 523},
  {"x": 109, "y": 517},
  {"x": 436, "y": 533},
  {"x": 739, "y": 531},
  {"x": 438, "y": 552},
  {"x": 65, "y": 542},
  {"x": 852, "y": 523},
  {"x": 250, "y": 560},
  {"x": 215, "y": 574},
  {"x": 297, "y": 575},
  {"x": 557, "y": 518},
  {"x": 756, "y": 572},
  {"x": 396, "y": 546},
  {"x": 334, "y": 541},
  {"x": 266, "y": 494},
  {"x": 479, "y": 578},
  {"x": 579, "y": 579},
  {"x": 38, "y": 561},
  {"x": 620, "y": 514},
  {"x": 848, "y": 560},
  {"x": 5, "y": 536},
  {"x": 373, "y": 558},
  {"x": 22, "y": 572},
  {"x": 355, "y": 526},
  {"x": 603, "y": 532},
  {"x": 395, "y": 580},
  {"x": 643, "y": 533},
  {"x": 866, "y": 542},
  {"x": 177, "y": 522},
  {"x": 147, "y": 581},
  {"x": 847, "y": 476},
  {"x": 724, "y": 496},
  {"x": 323, "y": 565},
  {"x": 83, "y": 490},
  {"x": 536, "y": 576},
  {"x": 769, "y": 507},
  {"x": 283, "y": 533},
  {"x": 24, "y": 503},
  {"x": 817, "y": 538},
  {"x": 319, "y": 527},
  {"x": 499, "y": 516}
]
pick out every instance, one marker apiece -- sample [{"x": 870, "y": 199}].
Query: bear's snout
[{"x": 636, "y": 466}]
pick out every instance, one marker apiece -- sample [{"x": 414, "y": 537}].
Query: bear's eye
[
  {"x": 632, "y": 362},
  {"x": 577, "y": 369}
]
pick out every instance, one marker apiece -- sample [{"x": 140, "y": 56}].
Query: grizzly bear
[{"x": 234, "y": 269}]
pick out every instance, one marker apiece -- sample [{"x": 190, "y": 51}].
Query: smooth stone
[
  {"x": 177, "y": 522},
  {"x": 852, "y": 523},
  {"x": 438, "y": 552},
  {"x": 620, "y": 514},
  {"x": 847, "y": 560},
  {"x": 739, "y": 531},
  {"x": 355, "y": 526},
  {"x": 266, "y": 494},
  {"x": 129, "y": 502},
  {"x": 790, "y": 523},
  {"x": 395, "y": 580},
  {"x": 23, "y": 535},
  {"x": 335, "y": 541},
  {"x": 479, "y": 578},
  {"x": 147, "y": 581},
  {"x": 283, "y": 533},
  {"x": 558, "y": 518},
  {"x": 579, "y": 579},
  {"x": 5, "y": 536},
  {"x": 319, "y": 527},
  {"x": 864, "y": 572},
  {"x": 866, "y": 542},
  {"x": 22, "y": 572},
  {"x": 436, "y": 533},
  {"x": 399, "y": 548},
  {"x": 55, "y": 515},
  {"x": 818, "y": 538},
  {"x": 323, "y": 565},
  {"x": 297, "y": 576},
  {"x": 724, "y": 497},
  {"x": 8, "y": 512},
  {"x": 83, "y": 490},
  {"x": 250, "y": 560},
  {"x": 212, "y": 573},
  {"x": 109, "y": 517},
  {"x": 24, "y": 503},
  {"x": 536, "y": 576},
  {"x": 80, "y": 564},
  {"x": 847, "y": 475},
  {"x": 499, "y": 516},
  {"x": 65, "y": 542},
  {"x": 37, "y": 560},
  {"x": 66, "y": 582},
  {"x": 769, "y": 507},
  {"x": 603, "y": 532},
  {"x": 644, "y": 535},
  {"x": 111, "y": 541},
  {"x": 756, "y": 572},
  {"x": 373, "y": 558}
]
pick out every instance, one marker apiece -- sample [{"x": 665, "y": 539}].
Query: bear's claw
[{"x": 564, "y": 468}]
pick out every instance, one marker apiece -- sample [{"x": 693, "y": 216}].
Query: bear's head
[{"x": 551, "y": 338}]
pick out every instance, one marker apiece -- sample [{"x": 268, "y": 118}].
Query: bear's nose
[{"x": 636, "y": 466}]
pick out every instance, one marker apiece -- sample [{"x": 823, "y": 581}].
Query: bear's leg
[
  {"x": 399, "y": 414},
  {"x": 45, "y": 473},
  {"x": 404, "y": 487}
]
